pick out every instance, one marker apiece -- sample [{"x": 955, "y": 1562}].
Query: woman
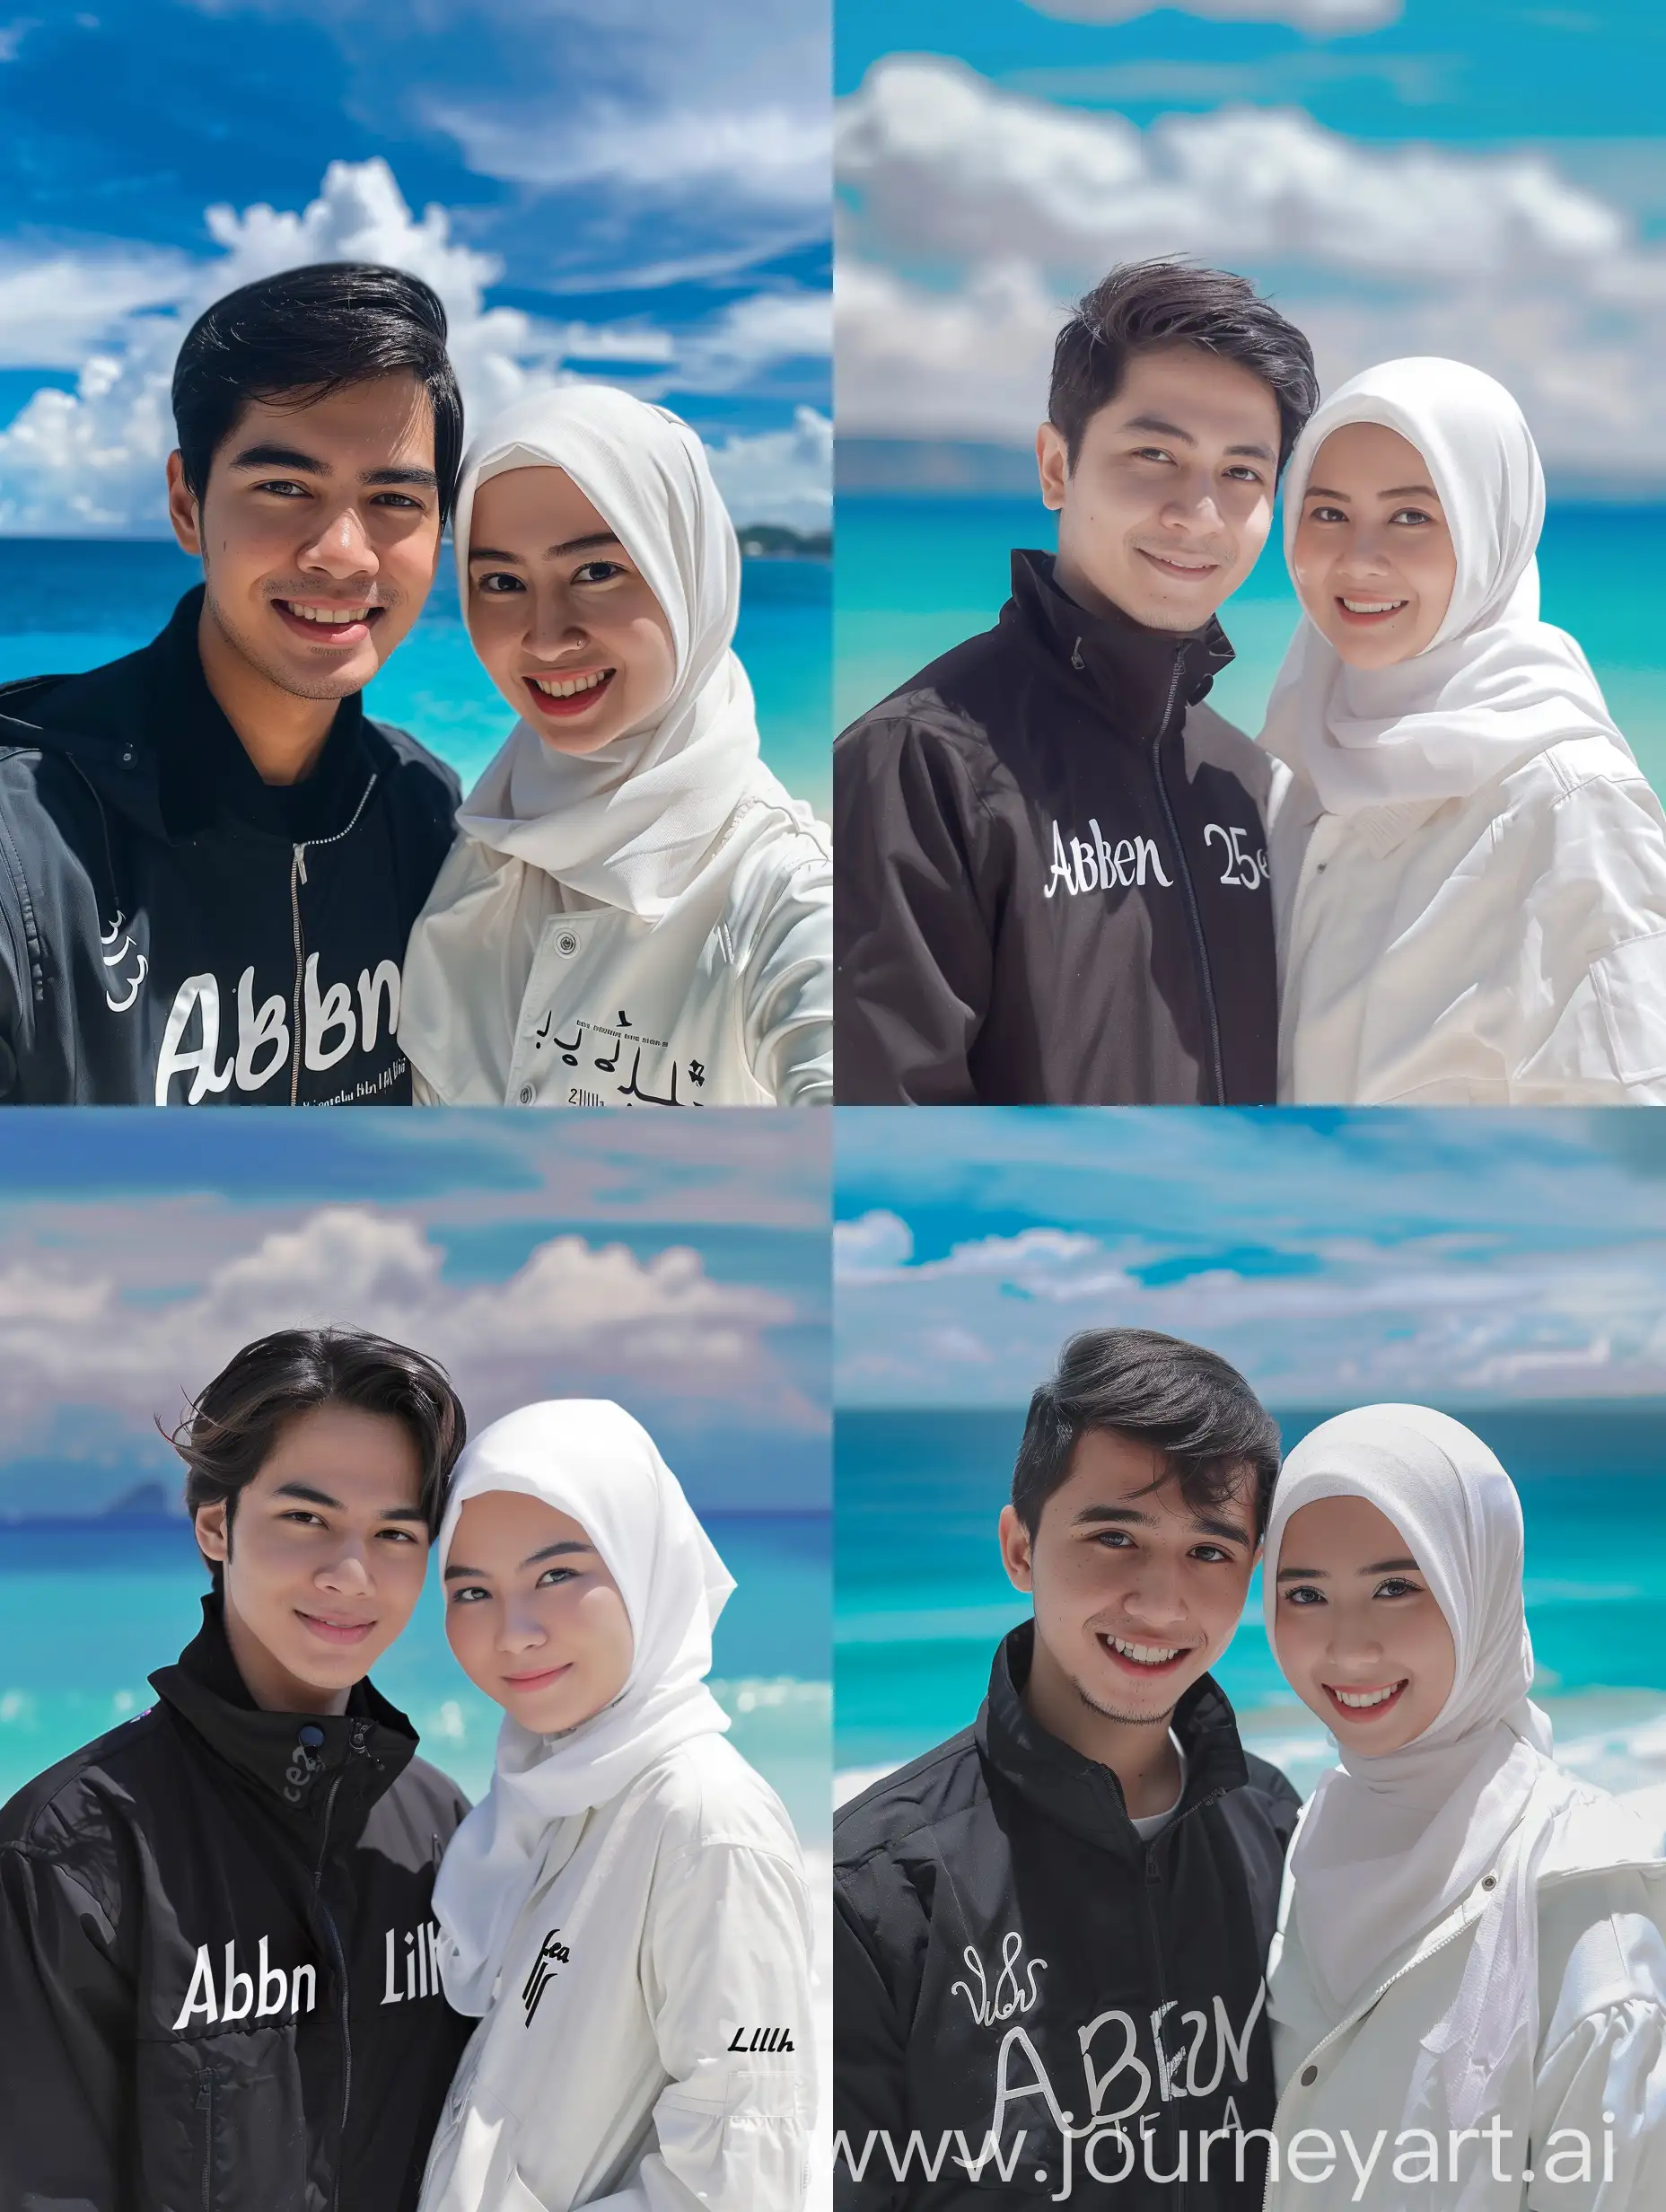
[
  {"x": 1470, "y": 1940},
  {"x": 627, "y": 1906},
  {"x": 1470, "y": 873},
  {"x": 635, "y": 912}
]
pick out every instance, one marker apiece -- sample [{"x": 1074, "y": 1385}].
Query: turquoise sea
[
  {"x": 69, "y": 603},
  {"x": 913, "y": 574},
  {"x": 88, "y": 1609},
  {"x": 922, "y": 1600}
]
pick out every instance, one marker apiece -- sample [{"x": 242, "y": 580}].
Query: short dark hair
[
  {"x": 303, "y": 334},
  {"x": 1145, "y": 304},
  {"x": 1193, "y": 1410},
  {"x": 234, "y": 1425}
]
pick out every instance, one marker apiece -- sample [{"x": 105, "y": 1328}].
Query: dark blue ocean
[{"x": 922, "y": 1600}]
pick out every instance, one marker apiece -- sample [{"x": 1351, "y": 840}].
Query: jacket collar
[
  {"x": 314, "y": 1771},
  {"x": 1130, "y": 671},
  {"x": 1079, "y": 1793}
]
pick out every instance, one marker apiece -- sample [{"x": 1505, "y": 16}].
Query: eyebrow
[
  {"x": 1172, "y": 430},
  {"x": 308, "y": 464},
  {"x": 550, "y": 1551},
  {"x": 555, "y": 552},
  {"x": 322, "y": 1498},
  {"x": 1126, "y": 1514},
  {"x": 1378, "y": 1567},
  {"x": 1394, "y": 491}
]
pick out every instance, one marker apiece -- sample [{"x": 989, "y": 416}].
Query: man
[
  {"x": 210, "y": 860},
  {"x": 1050, "y": 1932},
  {"x": 1050, "y": 863},
  {"x": 217, "y": 1969}
]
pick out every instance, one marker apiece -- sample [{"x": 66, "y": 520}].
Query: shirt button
[
  {"x": 1310, "y": 2075},
  {"x": 566, "y": 943},
  {"x": 527, "y": 1095}
]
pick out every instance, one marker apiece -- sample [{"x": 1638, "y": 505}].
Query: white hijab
[
  {"x": 1389, "y": 1845},
  {"x": 633, "y": 823},
  {"x": 1495, "y": 684},
  {"x": 588, "y": 1458}
]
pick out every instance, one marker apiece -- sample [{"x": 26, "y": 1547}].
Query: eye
[
  {"x": 498, "y": 582},
  {"x": 599, "y": 572},
  {"x": 552, "y": 1576},
  {"x": 397, "y": 499},
  {"x": 1245, "y": 473},
  {"x": 1151, "y": 452},
  {"x": 284, "y": 487},
  {"x": 1326, "y": 515},
  {"x": 1411, "y": 516},
  {"x": 396, "y": 1536},
  {"x": 1211, "y": 1554},
  {"x": 300, "y": 1513},
  {"x": 467, "y": 1592},
  {"x": 1303, "y": 1595},
  {"x": 1396, "y": 1587}
]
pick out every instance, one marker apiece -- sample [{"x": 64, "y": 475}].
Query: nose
[
  {"x": 552, "y": 626},
  {"x": 1191, "y": 505},
  {"x": 342, "y": 549},
  {"x": 520, "y": 1627},
  {"x": 348, "y": 1573},
  {"x": 1154, "y": 1600}
]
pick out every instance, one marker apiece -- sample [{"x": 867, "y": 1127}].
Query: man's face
[
  {"x": 318, "y": 532},
  {"x": 1135, "y": 1595},
  {"x": 1170, "y": 498},
  {"x": 325, "y": 1555}
]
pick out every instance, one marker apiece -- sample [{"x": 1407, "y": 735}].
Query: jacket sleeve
[
  {"x": 915, "y": 942},
  {"x": 725, "y": 1965},
  {"x": 870, "y": 2096},
  {"x": 1587, "y": 991},
  {"x": 1599, "y": 2133},
  {"x": 67, "y": 2038},
  {"x": 786, "y": 1005}
]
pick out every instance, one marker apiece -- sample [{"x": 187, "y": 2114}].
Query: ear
[
  {"x": 184, "y": 512},
  {"x": 1052, "y": 465},
  {"x": 1016, "y": 1551},
  {"x": 214, "y": 1532}
]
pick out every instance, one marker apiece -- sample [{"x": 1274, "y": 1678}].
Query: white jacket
[
  {"x": 543, "y": 998},
  {"x": 648, "y": 2046},
  {"x": 1507, "y": 949},
  {"x": 1601, "y": 2046}
]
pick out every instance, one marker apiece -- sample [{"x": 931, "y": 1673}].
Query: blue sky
[
  {"x": 1476, "y": 178},
  {"x": 638, "y": 193},
  {"x": 677, "y": 1263},
  {"x": 1334, "y": 1257}
]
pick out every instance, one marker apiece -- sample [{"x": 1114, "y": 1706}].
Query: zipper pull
[
  {"x": 1076, "y": 660},
  {"x": 361, "y": 1730},
  {"x": 301, "y": 862},
  {"x": 204, "y": 2091}
]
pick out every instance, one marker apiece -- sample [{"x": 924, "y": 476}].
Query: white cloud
[
  {"x": 755, "y": 333},
  {"x": 873, "y": 1249},
  {"x": 89, "y": 462},
  {"x": 1323, "y": 18},
  {"x": 976, "y": 215},
  {"x": 779, "y": 476},
  {"x": 575, "y": 1317}
]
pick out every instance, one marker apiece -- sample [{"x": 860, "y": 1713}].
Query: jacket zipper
[
  {"x": 1194, "y": 914},
  {"x": 360, "y": 1730},
  {"x": 297, "y": 877},
  {"x": 204, "y": 2104}
]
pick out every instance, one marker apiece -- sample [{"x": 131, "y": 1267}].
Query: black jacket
[
  {"x": 174, "y": 931},
  {"x": 216, "y": 1979},
  {"x": 1051, "y": 873},
  {"x": 999, "y": 1925}
]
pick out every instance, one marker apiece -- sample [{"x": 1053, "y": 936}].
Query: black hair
[
  {"x": 303, "y": 334},
  {"x": 1145, "y": 304},
  {"x": 234, "y": 1425},
  {"x": 1193, "y": 1410}
]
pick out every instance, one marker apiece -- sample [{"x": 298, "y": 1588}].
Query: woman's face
[
  {"x": 1373, "y": 559},
  {"x": 533, "y": 1617},
  {"x": 560, "y": 614},
  {"x": 1355, "y": 1629}
]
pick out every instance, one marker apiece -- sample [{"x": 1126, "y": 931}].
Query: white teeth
[
  {"x": 569, "y": 687},
  {"x": 1373, "y": 606},
  {"x": 331, "y": 615},
  {"x": 1146, "y": 1655},
  {"x": 1360, "y": 1699}
]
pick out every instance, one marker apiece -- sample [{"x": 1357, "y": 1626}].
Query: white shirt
[
  {"x": 1149, "y": 1825},
  {"x": 541, "y": 996},
  {"x": 1504, "y": 949},
  {"x": 648, "y": 2046}
]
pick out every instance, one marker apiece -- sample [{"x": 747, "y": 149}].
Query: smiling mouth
[
  {"x": 1370, "y": 609},
  {"x": 1365, "y": 1703},
  {"x": 1136, "y": 1658},
  {"x": 1186, "y": 566},
  {"x": 326, "y": 622},
  {"x": 342, "y": 1632},
  {"x": 539, "y": 1681},
  {"x": 564, "y": 695}
]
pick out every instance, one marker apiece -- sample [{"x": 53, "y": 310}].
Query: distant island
[{"x": 773, "y": 541}]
